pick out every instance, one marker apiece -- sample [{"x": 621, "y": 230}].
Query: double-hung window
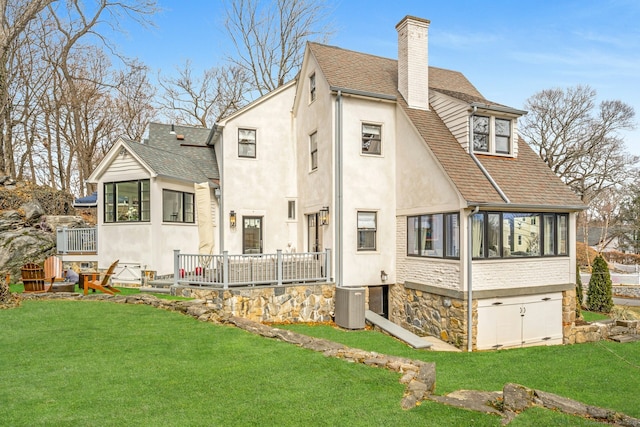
[
  {"x": 371, "y": 139},
  {"x": 313, "y": 150},
  {"x": 367, "y": 227},
  {"x": 247, "y": 143},
  {"x": 177, "y": 206},
  {"x": 127, "y": 201}
]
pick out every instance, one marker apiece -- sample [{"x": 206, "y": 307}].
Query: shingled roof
[
  {"x": 182, "y": 154},
  {"x": 525, "y": 180}
]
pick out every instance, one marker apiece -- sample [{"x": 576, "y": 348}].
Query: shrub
[{"x": 599, "y": 293}]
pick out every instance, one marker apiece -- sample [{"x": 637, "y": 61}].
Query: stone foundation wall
[
  {"x": 425, "y": 313},
  {"x": 299, "y": 303},
  {"x": 568, "y": 314},
  {"x": 628, "y": 291}
]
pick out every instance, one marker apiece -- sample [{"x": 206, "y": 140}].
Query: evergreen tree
[{"x": 599, "y": 294}]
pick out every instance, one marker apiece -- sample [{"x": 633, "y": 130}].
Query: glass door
[
  {"x": 252, "y": 234},
  {"x": 314, "y": 233}
]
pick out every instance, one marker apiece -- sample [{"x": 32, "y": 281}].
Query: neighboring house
[{"x": 420, "y": 186}]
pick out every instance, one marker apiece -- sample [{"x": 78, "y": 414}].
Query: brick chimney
[{"x": 413, "y": 61}]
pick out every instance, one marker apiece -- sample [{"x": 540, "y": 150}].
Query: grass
[
  {"x": 593, "y": 316},
  {"x": 97, "y": 363},
  {"x": 19, "y": 288}
]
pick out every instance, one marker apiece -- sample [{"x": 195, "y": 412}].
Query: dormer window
[{"x": 491, "y": 135}]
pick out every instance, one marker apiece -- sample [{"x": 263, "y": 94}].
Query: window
[
  {"x": 291, "y": 209},
  {"x": 313, "y": 150},
  {"x": 367, "y": 231},
  {"x": 126, "y": 201},
  {"x": 503, "y": 136},
  {"x": 491, "y": 135},
  {"x": 519, "y": 234},
  {"x": 434, "y": 235},
  {"x": 312, "y": 87},
  {"x": 247, "y": 143},
  {"x": 371, "y": 139},
  {"x": 177, "y": 206},
  {"x": 480, "y": 133}
]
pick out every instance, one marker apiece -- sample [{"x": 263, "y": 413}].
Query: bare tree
[
  {"x": 134, "y": 101},
  {"x": 580, "y": 143},
  {"x": 15, "y": 16},
  {"x": 269, "y": 38},
  {"x": 203, "y": 100}
]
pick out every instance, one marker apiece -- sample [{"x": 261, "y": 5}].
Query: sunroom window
[
  {"x": 434, "y": 235},
  {"x": 519, "y": 234},
  {"x": 126, "y": 201}
]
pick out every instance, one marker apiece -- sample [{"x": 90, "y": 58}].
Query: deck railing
[
  {"x": 223, "y": 271},
  {"x": 77, "y": 240}
]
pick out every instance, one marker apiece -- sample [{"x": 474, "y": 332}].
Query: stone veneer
[
  {"x": 426, "y": 313},
  {"x": 286, "y": 303}
]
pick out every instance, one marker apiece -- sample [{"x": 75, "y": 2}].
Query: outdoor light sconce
[
  {"x": 232, "y": 219},
  {"x": 324, "y": 215},
  {"x": 383, "y": 275}
]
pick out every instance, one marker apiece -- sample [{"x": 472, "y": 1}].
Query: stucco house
[{"x": 418, "y": 184}]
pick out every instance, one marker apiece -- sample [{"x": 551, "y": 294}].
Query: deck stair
[{"x": 391, "y": 328}]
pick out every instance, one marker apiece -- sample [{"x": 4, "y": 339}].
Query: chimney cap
[{"x": 415, "y": 19}]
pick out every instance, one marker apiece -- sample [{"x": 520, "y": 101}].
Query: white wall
[{"x": 261, "y": 186}]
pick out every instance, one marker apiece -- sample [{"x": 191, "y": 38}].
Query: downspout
[
  {"x": 338, "y": 191},
  {"x": 470, "y": 234},
  {"x": 470, "y": 280},
  {"x": 221, "y": 199}
]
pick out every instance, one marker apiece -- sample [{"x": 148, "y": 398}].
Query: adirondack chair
[
  {"x": 53, "y": 269},
  {"x": 102, "y": 285},
  {"x": 33, "y": 279}
]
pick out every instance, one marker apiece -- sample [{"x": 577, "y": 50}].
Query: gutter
[
  {"x": 345, "y": 91},
  {"x": 497, "y": 108},
  {"x": 220, "y": 194},
  {"x": 469, "y": 279}
]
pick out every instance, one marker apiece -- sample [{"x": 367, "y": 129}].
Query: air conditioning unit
[{"x": 350, "y": 307}]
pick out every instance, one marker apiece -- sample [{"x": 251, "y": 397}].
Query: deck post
[
  {"x": 225, "y": 269},
  {"x": 327, "y": 264},
  {"x": 176, "y": 266},
  {"x": 279, "y": 267}
]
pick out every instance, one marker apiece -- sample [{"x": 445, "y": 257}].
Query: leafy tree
[{"x": 599, "y": 293}]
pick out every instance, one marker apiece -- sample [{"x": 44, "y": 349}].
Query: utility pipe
[
  {"x": 338, "y": 192},
  {"x": 470, "y": 278}
]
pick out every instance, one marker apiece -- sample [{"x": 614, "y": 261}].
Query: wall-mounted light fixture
[
  {"x": 324, "y": 215},
  {"x": 232, "y": 219},
  {"x": 383, "y": 275}
]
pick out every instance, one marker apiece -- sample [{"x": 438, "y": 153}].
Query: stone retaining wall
[
  {"x": 628, "y": 291},
  {"x": 598, "y": 331},
  {"x": 287, "y": 303}
]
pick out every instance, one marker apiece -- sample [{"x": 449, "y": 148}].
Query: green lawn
[
  {"x": 99, "y": 363},
  {"x": 592, "y": 316}
]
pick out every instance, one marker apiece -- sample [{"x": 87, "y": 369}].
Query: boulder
[
  {"x": 23, "y": 245},
  {"x": 32, "y": 211}
]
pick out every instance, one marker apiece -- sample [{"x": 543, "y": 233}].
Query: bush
[{"x": 599, "y": 293}]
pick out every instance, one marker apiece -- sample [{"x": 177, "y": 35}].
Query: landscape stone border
[{"x": 418, "y": 376}]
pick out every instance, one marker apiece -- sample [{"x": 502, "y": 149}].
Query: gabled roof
[
  {"x": 188, "y": 158},
  {"x": 525, "y": 180}
]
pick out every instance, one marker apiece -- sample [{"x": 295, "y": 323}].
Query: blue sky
[{"x": 508, "y": 49}]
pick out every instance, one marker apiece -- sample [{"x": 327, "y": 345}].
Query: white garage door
[{"x": 520, "y": 321}]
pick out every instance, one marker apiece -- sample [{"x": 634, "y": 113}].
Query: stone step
[
  {"x": 625, "y": 338},
  {"x": 161, "y": 283},
  {"x": 407, "y": 336}
]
